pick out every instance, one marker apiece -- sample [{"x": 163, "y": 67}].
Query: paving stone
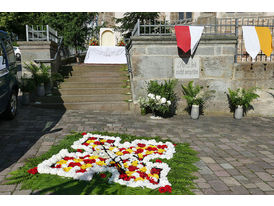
[
  {"x": 218, "y": 185},
  {"x": 250, "y": 185},
  {"x": 230, "y": 181},
  {"x": 264, "y": 176},
  {"x": 215, "y": 167},
  {"x": 7, "y": 188},
  {"x": 22, "y": 192},
  {"x": 222, "y": 173},
  {"x": 203, "y": 185},
  {"x": 207, "y": 159},
  {"x": 239, "y": 190},
  {"x": 227, "y": 166},
  {"x": 263, "y": 186}
]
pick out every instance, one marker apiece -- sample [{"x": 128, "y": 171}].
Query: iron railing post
[
  {"x": 237, "y": 36},
  {"x": 47, "y": 32},
  {"x": 27, "y": 32},
  {"x": 138, "y": 27}
]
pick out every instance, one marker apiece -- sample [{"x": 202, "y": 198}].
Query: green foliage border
[{"x": 180, "y": 175}]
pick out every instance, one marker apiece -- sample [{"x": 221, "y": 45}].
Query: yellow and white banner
[{"x": 256, "y": 39}]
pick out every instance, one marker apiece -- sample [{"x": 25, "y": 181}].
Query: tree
[
  {"x": 130, "y": 19},
  {"x": 73, "y": 26}
]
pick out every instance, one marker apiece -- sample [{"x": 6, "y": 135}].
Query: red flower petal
[
  {"x": 33, "y": 171},
  {"x": 79, "y": 150},
  {"x": 159, "y": 161},
  {"x": 103, "y": 175},
  {"x": 83, "y": 133},
  {"x": 162, "y": 189}
]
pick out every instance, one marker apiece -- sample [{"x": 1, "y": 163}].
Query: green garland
[{"x": 180, "y": 175}]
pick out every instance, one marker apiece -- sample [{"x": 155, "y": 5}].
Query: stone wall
[
  {"x": 158, "y": 58},
  {"x": 43, "y": 50}
]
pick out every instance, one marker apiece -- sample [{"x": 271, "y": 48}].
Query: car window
[
  {"x": 10, "y": 53},
  {"x": 2, "y": 59}
]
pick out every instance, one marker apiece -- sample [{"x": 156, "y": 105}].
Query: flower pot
[
  {"x": 48, "y": 87},
  {"x": 238, "y": 114},
  {"x": 41, "y": 90},
  {"x": 195, "y": 111},
  {"x": 26, "y": 98}
]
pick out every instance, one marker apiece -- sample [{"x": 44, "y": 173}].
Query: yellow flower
[
  {"x": 90, "y": 141},
  {"x": 66, "y": 169},
  {"x": 139, "y": 178},
  {"x": 134, "y": 163},
  {"x": 112, "y": 162},
  {"x": 140, "y": 155},
  {"x": 89, "y": 165},
  {"x": 119, "y": 153},
  {"x": 143, "y": 169},
  {"x": 129, "y": 173},
  {"x": 155, "y": 175},
  {"x": 161, "y": 150},
  {"x": 94, "y": 145},
  {"x": 100, "y": 163},
  {"x": 149, "y": 152},
  {"x": 103, "y": 140},
  {"x": 125, "y": 165},
  {"x": 61, "y": 162},
  {"x": 111, "y": 148},
  {"x": 129, "y": 150},
  {"x": 77, "y": 160},
  {"x": 93, "y": 157}
]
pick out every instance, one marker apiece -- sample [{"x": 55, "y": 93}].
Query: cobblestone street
[{"x": 237, "y": 156}]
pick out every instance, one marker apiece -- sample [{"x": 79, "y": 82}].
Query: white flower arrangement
[{"x": 101, "y": 152}]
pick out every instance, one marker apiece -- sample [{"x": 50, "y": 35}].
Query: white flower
[
  {"x": 168, "y": 102},
  {"x": 163, "y": 100},
  {"x": 151, "y": 96},
  {"x": 158, "y": 97}
]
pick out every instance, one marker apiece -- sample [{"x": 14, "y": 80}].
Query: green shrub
[
  {"x": 241, "y": 97},
  {"x": 27, "y": 85}
]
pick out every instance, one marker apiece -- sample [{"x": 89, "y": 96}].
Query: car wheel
[{"x": 11, "y": 110}]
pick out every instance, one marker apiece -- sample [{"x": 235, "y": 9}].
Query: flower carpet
[{"x": 104, "y": 163}]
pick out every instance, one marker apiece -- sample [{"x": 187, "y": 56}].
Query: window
[
  {"x": 185, "y": 15},
  {"x": 2, "y": 58},
  {"x": 10, "y": 53}
]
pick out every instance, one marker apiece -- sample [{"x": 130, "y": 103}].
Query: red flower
[
  {"x": 122, "y": 149},
  {"x": 103, "y": 175},
  {"x": 162, "y": 189},
  {"x": 125, "y": 152},
  {"x": 58, "y": 166},
  {"x": 139, "y": 151},
  {"x": 174, "y": 145},
  {"x": 159, "y": 161},
  {"x": 89, "y": 161},
  {"x": 168, "y": 188},
  {"x": 92, "y": 138},
  {"x": 141, "y": 145},
  {"x": 73, "y": 164},
  {"x": 81, "y": 171},
  {"x": 110, "y": 141},
  {"x": 132, "y": 168},
  {"x": 86, "y": 144},
  {"x": 68, "y": 158},
  {"x": 102, "y": 159},
  {"x": 83, "y": 133},
  {"x": 155, "y": 171},
  {"x": 33, "y": 171},
  {"x": 79, "y": 150},
  {"x": 125, "y": 160},
  {"x": 98, "y": 143}
]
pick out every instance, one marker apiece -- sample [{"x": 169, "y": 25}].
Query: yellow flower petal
[
  {"x": 66, "y": 169},
  {"x": 77, "y": 160},
  {"x": 119, "y": 153},
  {"x": 143, "y": 169},
  {"x": 61, "y": 162},
  {"x": 139, "y": 178}
]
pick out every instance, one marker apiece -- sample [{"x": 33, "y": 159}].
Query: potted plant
[
  {"x": 161, "y": 99},
  {"x": 46, "y": 79},
  {"x": 240, "y": 100},
  {"x": 26, "y": 86},
  {"x": 56, "y": 78},
  {"x": 195, "y": 98}
]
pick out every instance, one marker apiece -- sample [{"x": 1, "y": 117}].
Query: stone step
[
  {"x": 92, "y": 85},
  {"x": 99, "y": 73},
  {"x": 92, "y": 106},
  {"x": 83, "y": 98},
  {"x": 106, "y": 68},
  {"x": 92, "y": 91},
  {"x": 95, "y": 79}
]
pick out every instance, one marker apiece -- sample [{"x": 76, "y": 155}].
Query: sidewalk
[{"x": 237, "y": 156}]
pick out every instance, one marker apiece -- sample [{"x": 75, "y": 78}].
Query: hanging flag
[
  {"x": 188, "y": 37},
  {"x": 256, "y": 39},
  {"x": 183, "y": 37},
  {"x": 195, "y": 34},
  {"x": 265, "y": 39}
]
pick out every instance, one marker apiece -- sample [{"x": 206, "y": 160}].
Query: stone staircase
[{"x": 92, "y": 87}]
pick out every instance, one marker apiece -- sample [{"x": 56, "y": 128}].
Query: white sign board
[{"x": 186, "y": 68}]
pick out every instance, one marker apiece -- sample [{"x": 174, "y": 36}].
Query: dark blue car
[{"x": 8, "y": 81}]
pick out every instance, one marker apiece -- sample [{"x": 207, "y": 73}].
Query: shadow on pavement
[{"x": 22, "y": 133}]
